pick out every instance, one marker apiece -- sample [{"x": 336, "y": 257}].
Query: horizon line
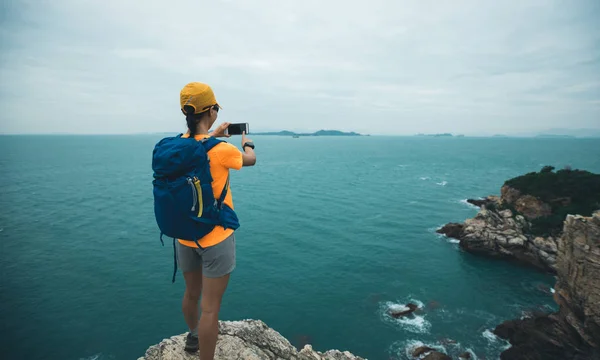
[{"x": 258, "y": 133}]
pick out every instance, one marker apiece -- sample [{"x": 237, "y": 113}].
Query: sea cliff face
[
  {"x": 536, "y": 225},
  {"x": 498, "y": 231},
  {"x": 248, "y": 340},
  {"x": 574, "y": 331}
]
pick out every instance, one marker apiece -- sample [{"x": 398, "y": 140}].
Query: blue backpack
[{"x": 184, "y": 204}]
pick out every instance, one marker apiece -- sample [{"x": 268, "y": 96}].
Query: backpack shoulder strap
[
  {"x": 210, "y": 143},
  {"x": 224, "y": 192}
]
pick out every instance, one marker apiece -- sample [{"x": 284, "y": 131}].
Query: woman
[{"x": 206, "y": 270}]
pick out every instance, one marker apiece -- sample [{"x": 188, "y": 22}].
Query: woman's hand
[
  {"x": 245, "y": 139},
  {"x": 220, "y": 131}
]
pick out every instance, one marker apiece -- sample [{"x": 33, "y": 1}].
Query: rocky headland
[
  {"x": 525, "y": 222},
  {"x": 548, "y": 220}
]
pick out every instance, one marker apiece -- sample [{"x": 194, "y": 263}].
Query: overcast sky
[{"x": 377, "y": 66}]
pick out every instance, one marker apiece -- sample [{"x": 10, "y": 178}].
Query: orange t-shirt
[{"x": 223, "y": 157}]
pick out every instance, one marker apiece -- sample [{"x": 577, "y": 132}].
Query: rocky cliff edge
[
  {"x": 248, "y": 340},
  {"x": 574, "y": 331}
]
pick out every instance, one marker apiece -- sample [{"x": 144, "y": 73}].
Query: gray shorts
[{"x": 216, "y": 261}]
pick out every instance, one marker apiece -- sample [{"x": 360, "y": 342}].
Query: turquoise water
[{"x": 335, "y": 231}]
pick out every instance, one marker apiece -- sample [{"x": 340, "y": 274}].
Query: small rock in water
[
  {"x": 466, "y": 355},
  {"x": 421, "y": 350},
  {"x": 437, "y": 356},
  {"x": 411, "y": 308}
]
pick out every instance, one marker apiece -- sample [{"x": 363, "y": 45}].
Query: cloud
[{"x": 380, "y": 66}]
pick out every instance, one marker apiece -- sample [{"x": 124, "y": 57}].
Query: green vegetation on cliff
[{"x": 566, "y": 191}]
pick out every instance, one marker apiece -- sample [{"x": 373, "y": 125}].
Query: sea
[{"x": 335, "y": 232}]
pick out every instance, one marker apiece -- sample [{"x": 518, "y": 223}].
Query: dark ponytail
[{"x": 191, "y": 119}]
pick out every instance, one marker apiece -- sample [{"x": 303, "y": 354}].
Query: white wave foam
[
  {"x": 473, "y": 355},
  {"x": 424, "y": 178},
  {"x": 419, "y": 303},
  {"x": 443, "y": 183},
  {"x": 413, "y": 322},
  {"x": 417, "y": 324},
  {"x": 398, "y": 307},
  {"x": 1, "y": 229},
  {"x": 435, "y": 229},
  {"x": 453, "y": 241},
  {"x": 490, "y": 336},
  {"x": 551, "y": 289},
  {"x": 411, "y": 345},
  {"x": 468, "y": 204}
]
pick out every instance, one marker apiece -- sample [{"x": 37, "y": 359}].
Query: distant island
[{"x": 318, "y": 133}]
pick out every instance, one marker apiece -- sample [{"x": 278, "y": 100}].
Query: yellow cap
[{"x": 198, "y": 95}]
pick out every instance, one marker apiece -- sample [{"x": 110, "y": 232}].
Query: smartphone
[{"x": 237, "y": 129}]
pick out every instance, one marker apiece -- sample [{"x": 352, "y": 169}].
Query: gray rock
[
  {"x": 516, "y": 241},
  {"x": 501, "y": 240},
  {"x": 523, "y": 237},
  {"x": 509, "y": 232},
  {"x": 548, "y": 245},
  {"x": 511, "y": 222},
  {"x": 248, "y": 340},
  {"x": 309, "y": 354},
  {"x": 506, "y": 213}
]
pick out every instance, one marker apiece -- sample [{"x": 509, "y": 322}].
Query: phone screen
[{"x": 237, "y": 129}]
